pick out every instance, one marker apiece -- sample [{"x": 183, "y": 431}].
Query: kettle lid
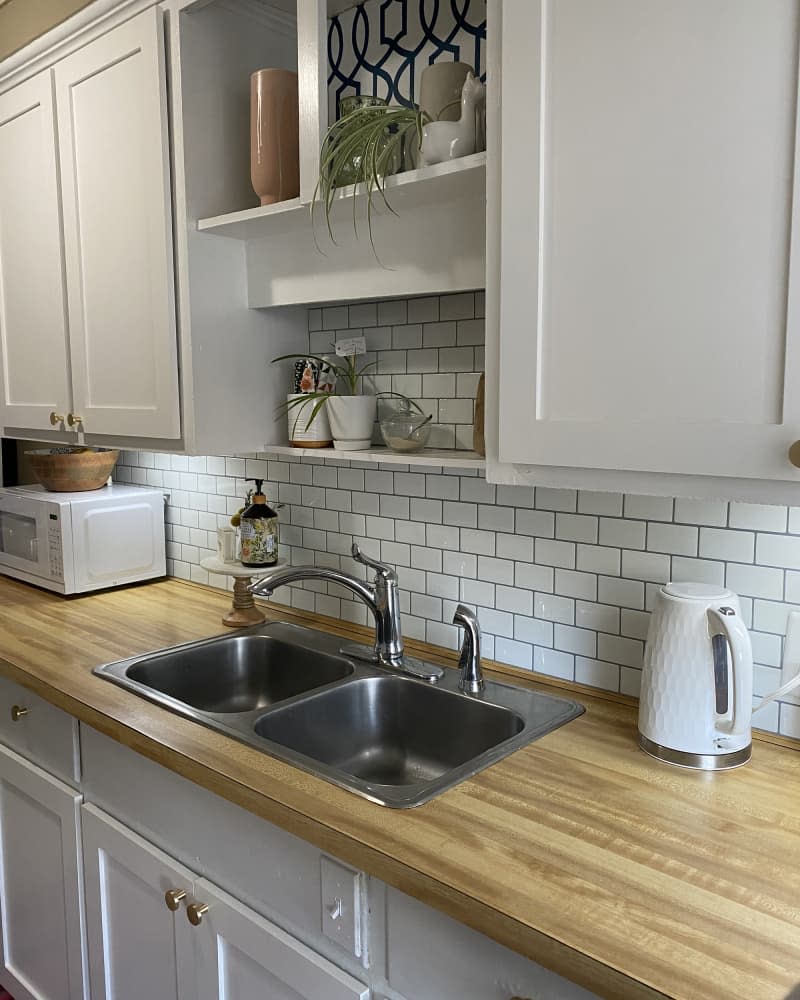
[{"x": 697, "y": 591}]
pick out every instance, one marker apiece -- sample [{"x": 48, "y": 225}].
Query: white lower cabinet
[
  {"x": 132, "y": 935},
  {"x": 41, "y": 944},
  {"x": 210, "y": 947}
]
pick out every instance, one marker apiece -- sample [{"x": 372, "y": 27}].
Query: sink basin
[
  {"x": 289, "y": 692},
  {"x": 237, "y": 673},
  {"x": 390, "y": 730}
]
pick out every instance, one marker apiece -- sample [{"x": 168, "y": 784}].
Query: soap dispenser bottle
[{"x": 259, "y": 531}]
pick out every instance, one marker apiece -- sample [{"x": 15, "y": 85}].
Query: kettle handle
[{"x": 725, "y": 621}]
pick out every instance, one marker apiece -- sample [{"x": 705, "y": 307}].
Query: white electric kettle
[{"x": 697, "y": 682}]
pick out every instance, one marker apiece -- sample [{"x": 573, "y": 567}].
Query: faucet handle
[
  {"x": 380, "y": 568},
  {"x": 470, "y": 658}
]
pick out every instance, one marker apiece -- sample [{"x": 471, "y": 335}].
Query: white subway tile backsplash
[
  {"x": 576, "y": 528},
  {"x": 607, "y": 504},
  {"x": 675, "y": 539},
  {"x": 554, "y": 608},
  {"x": 649, "y": 508},
  {"x": 534, "y": 577},
  {"x": 622, "y": 534},
  {"x": 554, "y": 662},
  {"x": 514, "y": 600},
  {"x": 461, "y": 306},
  {"x": 534, "y": 630},
  {"x": 517, "y": 654},
  {"x": 648, "y": 566},
  {"x": 757, "y": 517},
  {"x": 597, "y": 673},
  {"x": 575, "y": 640},
  {"x": 755, "y": 581},
  {"x": 698, "y": 571},
  {"x": 553, "y": 499},
  {"x": 778, "y": 550},
  {"x": 737, "y": 546},
  {"x": 562, "y": 580},
  {"x": 570, "y": 583}
]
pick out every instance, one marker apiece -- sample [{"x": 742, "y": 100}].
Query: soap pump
[{"x": 259, "y": 530}]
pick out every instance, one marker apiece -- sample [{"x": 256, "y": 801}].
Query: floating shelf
[
  {"x": 465, "y": 176},
  {"x": 434, "y": 457}
]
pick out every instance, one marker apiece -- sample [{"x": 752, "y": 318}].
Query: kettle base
[{"x": 697, "y": 761}]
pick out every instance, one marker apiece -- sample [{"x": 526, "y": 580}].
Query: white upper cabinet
[
  {"x": 114, "y": 155},
  {"x": 33, "y": 320},
  {"x": 649, "y": 294}
]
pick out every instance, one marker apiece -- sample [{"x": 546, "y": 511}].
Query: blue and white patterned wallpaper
[{"x": 380, "y": 47}]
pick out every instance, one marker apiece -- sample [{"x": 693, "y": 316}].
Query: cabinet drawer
[{"x": 41, "y": 732}]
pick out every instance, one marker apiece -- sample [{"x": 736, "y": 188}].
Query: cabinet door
[
  {"x": 33, "y": 312},
  {"x": 40, "y": 884},
  {"x": 238, "y": 954},
  {"x": 649, "y": 236},
  {"x": 131, "y": 933},
  {"x": 114, "y": 151}
]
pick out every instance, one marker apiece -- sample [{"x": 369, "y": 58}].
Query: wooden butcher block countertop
[{"x": 631, "y": 877}]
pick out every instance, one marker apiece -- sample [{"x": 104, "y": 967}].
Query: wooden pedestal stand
[{"x": 243, "y": 611}]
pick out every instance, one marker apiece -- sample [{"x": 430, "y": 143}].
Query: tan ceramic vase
[{"x": 274, "y": 135}]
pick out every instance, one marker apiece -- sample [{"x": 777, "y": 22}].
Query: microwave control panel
[{"x": 54, "y": 546}]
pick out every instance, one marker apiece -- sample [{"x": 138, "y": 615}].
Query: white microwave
[{"x": 77, "y": 542}]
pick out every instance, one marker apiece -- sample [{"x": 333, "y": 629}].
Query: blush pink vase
[{"x": 274, "y": 135}]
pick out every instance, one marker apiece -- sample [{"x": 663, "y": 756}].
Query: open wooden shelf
[
  {"x": 434, "y": 457},
  {"x": 414, "y": 187}
]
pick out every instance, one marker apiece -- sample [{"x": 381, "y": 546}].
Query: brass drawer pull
[
  {"x": 173, "y": 897},
  {"x": 195, "y": 911},
  {"x": 73, "y": 419},
  {"x": 18, "y": 712},
  {"x": 56, "y": 418}
]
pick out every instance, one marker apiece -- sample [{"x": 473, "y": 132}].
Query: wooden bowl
[{"x": 67, "y": 470}]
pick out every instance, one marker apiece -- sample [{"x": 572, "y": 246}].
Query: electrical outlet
[{"x": 341, "y": 895}]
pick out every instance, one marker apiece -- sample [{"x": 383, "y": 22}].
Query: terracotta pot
[
  {"x": 274, "y": 135},
  {"x": 352, "y": 420},
  {"x": 66, "y": 471}
]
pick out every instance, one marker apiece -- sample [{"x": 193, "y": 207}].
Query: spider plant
[
  {"x": 374, "y": 135},
  {"x": 347, "y": 372}
]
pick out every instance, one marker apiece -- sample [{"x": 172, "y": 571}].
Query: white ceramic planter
[
  {"x": 317, "y": 434},
  {"x": 352, "y": 419}
]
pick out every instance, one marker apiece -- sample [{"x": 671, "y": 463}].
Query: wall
[
  {"x": 562, "y": 580},
  {"x": 23, "y": 20}
]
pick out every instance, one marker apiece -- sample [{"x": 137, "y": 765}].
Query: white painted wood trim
[
  {"x": 312, "y": 62},
  {"x": 79, "y": 29},
  {"x": 436, "y": 457}
]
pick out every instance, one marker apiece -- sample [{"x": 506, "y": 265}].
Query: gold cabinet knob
[
  {"x": 56, "y": 418},
  {"x": 18, "y": 712},
  {"x": 195, "y": 911},
  {"x": 794, "y": 454},
  {"x": 173, "y": 897},
  {"x": 73, "y": 419}
]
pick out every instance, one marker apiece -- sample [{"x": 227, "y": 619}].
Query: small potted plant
[
  {"x": 350, "y": 411},
  {"x": 365, "y": 146}
]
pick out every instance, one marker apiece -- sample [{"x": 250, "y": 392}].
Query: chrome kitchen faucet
[{"x": 381, "y": 597}]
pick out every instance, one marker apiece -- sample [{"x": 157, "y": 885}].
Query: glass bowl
[{"x": 405, "y": 431}]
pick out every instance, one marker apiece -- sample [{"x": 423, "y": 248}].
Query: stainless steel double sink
[{"x": 291, "y": 693}]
